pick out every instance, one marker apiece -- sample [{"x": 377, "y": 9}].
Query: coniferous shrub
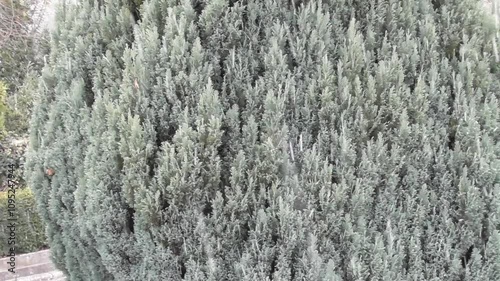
[{"x": 270, "y": 140}]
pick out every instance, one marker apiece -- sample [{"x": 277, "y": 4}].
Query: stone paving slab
[
  {"x": 35, "y": 266},
  {"x": 28, "y": 270},
  {"x": 26, "y": 259},
  {"x": 49, "y": 276}
]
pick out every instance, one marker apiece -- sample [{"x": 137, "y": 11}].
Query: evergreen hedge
[
  {"x": 29, "y": 234},
  {"x": 270, "y": 140}
]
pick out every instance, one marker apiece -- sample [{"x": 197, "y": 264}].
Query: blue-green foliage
[{"x": 270, "y": 140}]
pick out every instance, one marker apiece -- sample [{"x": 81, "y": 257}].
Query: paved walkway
[{"x": 35, "y": 266}]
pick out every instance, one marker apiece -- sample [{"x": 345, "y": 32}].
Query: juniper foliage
[{"x": 270, "y": 140}]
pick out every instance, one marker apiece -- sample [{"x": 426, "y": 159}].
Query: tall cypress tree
[{"x": 270, "y": 140}]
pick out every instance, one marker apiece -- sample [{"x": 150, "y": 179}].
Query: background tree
[
  {"x": 23, "y": 43},
  {"x": 270, "y": 140},
  {"x": 21, "y": 39},
  {"x": 3, "y": 109}
]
